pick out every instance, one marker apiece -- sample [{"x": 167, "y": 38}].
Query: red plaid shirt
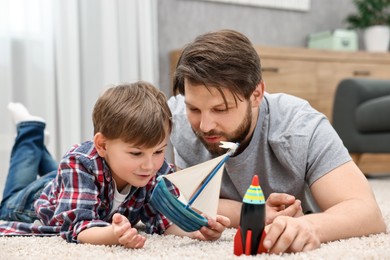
[{"x": 82, "y": 195}]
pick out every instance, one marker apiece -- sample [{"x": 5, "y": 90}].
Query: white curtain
[{"x": 57, "y": 56}]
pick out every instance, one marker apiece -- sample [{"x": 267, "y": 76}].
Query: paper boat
[{"x": 199, "y": 188}]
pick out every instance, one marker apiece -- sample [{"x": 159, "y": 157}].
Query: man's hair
[
  {"x": 221, "y": 59},
  {"x": 136, "y": 113}
]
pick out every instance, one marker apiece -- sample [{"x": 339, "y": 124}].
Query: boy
[{"x": 102, "y": 187}]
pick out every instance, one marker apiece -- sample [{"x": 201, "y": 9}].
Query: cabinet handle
[
  {"x": 270, "y": 69},
  {"x": 361, "y": 73}
]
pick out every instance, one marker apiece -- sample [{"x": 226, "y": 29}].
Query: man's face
[{"x": 212, "y": 122}]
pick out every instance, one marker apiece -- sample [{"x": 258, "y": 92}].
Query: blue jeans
[{"x": 31, "y": 168}]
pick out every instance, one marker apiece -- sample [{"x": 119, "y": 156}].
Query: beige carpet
[{"x": 170, "y": 247}]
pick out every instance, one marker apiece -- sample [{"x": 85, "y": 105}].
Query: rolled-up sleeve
[{"x": 72, "y": 200}]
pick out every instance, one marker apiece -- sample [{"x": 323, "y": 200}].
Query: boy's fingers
[
  {"x": 117, "y": 218},
  {"x": 225, "y": 221}
]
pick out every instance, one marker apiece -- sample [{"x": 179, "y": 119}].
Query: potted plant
[{"x": 373, "y": 17}]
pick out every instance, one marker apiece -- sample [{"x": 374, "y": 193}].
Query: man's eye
[
  {"x": 135, "y": 153},
  {"x": 222, "y": 110}
]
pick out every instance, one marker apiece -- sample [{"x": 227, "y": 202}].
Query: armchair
[{"x": 361, "y": 115}]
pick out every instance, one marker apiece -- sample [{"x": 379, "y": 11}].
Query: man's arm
[
  {"x": 349, "y": 209},
  {"x": 231, "y": 209},
  {"x": 349, "y": 205}
]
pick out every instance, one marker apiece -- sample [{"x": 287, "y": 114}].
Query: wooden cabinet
[
  {"x": 314, "y": 75},
  {"x": 296, "y": 77}
]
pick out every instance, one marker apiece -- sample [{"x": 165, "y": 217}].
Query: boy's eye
[
  {"x": 193, "y": 109},
  {"x": 159, "y": 152},
  {"x": 135, "y": 153}
]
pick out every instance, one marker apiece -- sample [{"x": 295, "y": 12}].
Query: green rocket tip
[{"x": 254, "y": 194}]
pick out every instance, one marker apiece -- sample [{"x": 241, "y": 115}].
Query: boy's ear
[{"x": 100, "y": 144}]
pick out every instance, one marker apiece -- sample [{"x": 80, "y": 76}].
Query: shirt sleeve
[
  {"x": 326, "y": 152},
  {"x": 72, "y": 200},
  {"x": 307, "y": 144}
]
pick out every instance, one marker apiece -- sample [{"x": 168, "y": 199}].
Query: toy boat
[{"x": 199, "y": 188}]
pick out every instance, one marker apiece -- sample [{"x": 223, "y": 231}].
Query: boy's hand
[
  {"x": 214, "y": 229},
  {"x": 282, "y": 204},
  {"x": 126, "y": 235}
]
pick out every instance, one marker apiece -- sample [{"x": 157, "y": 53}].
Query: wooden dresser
[{"x": 314, "y": 75}]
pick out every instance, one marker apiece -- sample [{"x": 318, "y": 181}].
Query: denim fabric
[{"x": 31, "y": 168}]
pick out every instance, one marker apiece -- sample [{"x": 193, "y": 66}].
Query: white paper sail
[
  {"x": 208, "y": 200},
  {"x": 190, "y": 179}
]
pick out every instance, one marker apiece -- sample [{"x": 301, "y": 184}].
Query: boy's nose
[{"x": 147, "y": 163}]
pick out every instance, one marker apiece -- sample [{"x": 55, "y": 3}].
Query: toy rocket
[{"x": 250, "y": 234}]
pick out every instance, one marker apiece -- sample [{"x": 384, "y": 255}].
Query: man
[{"x": 292, "y": 147}]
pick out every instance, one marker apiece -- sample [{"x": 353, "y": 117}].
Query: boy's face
[
  {"x": 129, "y": 164},
  {"x": 212, "y": 122}
]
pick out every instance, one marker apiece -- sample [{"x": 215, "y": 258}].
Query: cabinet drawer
[{"x": 293, "y": 77}]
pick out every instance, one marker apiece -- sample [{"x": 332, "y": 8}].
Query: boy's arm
[
  {"x": 175, "y": 230},
  {"x": 119, "y": 233}
]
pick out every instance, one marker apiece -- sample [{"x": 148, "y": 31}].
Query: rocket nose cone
[{"x": 255, "y": 180}]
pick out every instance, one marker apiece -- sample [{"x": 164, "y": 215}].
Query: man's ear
[
  {"x": 258, "y": 94},
  {"x": 99, "y": 141}
]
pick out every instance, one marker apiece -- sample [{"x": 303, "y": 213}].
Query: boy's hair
[
  {"x": 221, "y": 59},
  {"x": 136, "y": 113}
]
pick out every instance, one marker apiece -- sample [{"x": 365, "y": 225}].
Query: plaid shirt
[{"x": 82, "y": 195}]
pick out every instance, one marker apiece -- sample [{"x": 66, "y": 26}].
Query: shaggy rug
[{"x": 171, "y": 247}]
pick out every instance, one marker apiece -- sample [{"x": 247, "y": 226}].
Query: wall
[{"x": 180, "y": 21}]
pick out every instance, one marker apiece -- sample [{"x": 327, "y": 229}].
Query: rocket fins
[
  {"x": 248, "y": 242},
  {"x": 238, "y": 250},
  {"x": 261, "y": 248}
]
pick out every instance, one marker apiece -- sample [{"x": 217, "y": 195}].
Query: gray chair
[{"x": 361, "y": 115}]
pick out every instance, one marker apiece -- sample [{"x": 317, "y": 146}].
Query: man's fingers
[
  {"x": 277, "y": 240},
  {"x": 287, "y": 234},
  {"x": 278, "y": 199},
  {"x": 294, "y": 210}
]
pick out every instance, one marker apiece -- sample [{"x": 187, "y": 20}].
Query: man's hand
[
  {"x": 277, "y": 204},
  {"x": 126, "y": 235},
  {"x": 282, "y": 204},
  {"x": 288, "y": 234}
]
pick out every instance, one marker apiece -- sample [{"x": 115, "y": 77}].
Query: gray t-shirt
[{"x": 293, "y": 145}]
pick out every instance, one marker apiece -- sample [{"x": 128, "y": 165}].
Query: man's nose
[{"x": 207, "y": 122}]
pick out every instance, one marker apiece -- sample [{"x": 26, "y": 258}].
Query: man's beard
[{"x": 236, "y": 137}]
